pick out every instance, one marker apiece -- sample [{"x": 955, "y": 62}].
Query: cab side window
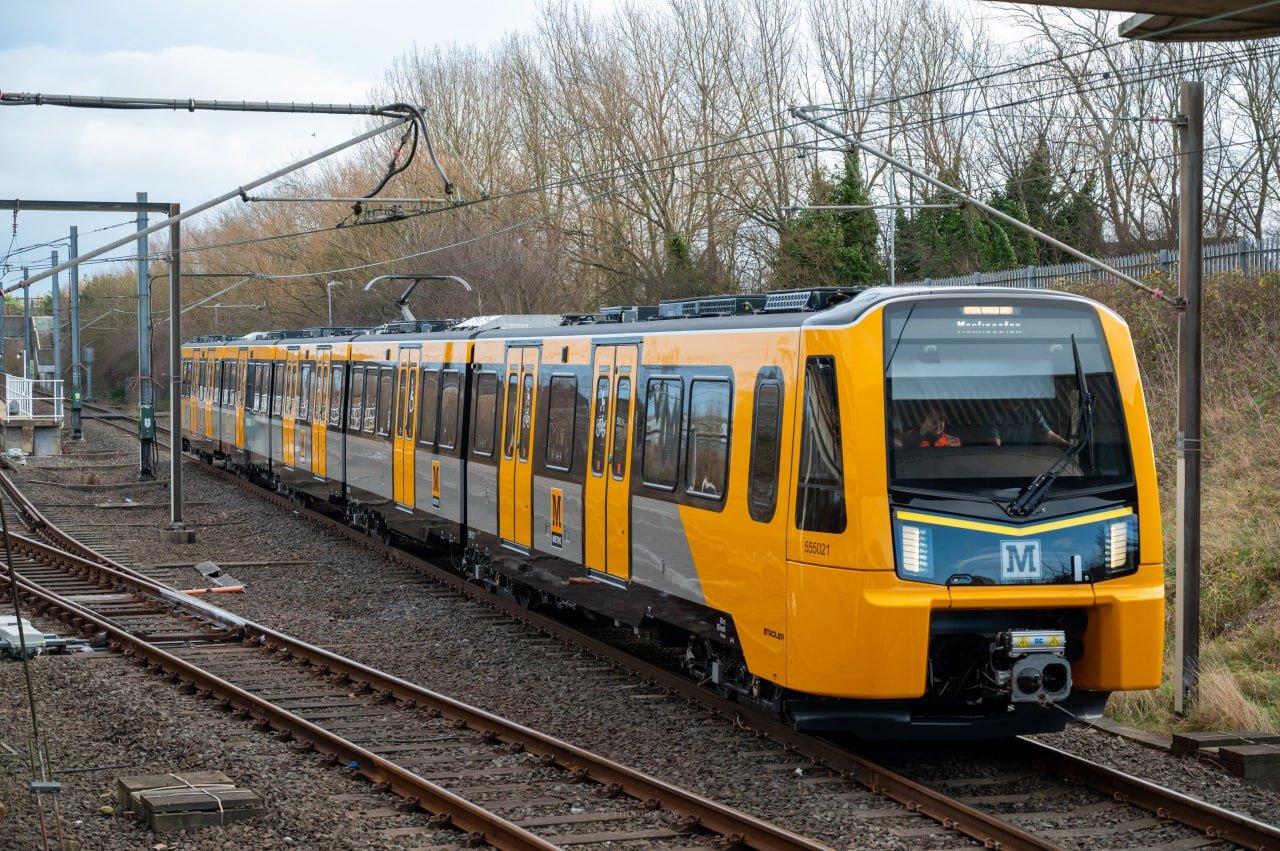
[{"x": 820, "y": 503}]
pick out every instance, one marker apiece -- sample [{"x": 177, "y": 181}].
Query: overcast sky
[{"x": 319, "y": 50}]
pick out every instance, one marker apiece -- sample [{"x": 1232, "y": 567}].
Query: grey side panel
[
  {"x": 369, "y": 465},
  {"x": 333, "y": 455},
  {"x": 660, "y": 556},
  {"x": 277, "y": 438},
  {"x": 450, "y": 506},
  {"x": 482, "y": 498},
  {"x": 571, "y": 515},
  {"x": 255, "y": 434}
]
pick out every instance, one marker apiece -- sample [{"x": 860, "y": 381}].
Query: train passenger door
[
  {"x": 515, "y": 472},
  {"x": 405, "y": 427},
  {"x": 289, "y": 415},
  {"x": 198, "y": 393},
  {"x": 320, "y": 412},
  {"x": 241, "y": 375},
  {"x": 210, "y": 390},
  {"x": 607, "y": 494}
]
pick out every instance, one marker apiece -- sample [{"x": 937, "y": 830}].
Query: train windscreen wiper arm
[{"x": 1030, "y": 497}]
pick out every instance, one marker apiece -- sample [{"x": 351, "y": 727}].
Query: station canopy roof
[{"x": 1188, "y": 20}]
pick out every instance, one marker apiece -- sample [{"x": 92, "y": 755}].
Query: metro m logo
[
  {"x": 1019, "y": 560},
  {"x": 557, "y": 517}
]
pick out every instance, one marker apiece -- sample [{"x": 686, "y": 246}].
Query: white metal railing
[
  {"x": 32, "y": 399},
  {"x": 1243, "y": 255}
]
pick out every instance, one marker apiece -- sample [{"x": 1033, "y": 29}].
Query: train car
[{"x": 893, "y": 512}]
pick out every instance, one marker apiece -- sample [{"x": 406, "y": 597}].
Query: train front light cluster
[
  {"x": 915, "y": 551},
  {"x": 1118, "y": 546}
]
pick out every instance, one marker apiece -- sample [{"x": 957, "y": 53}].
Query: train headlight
[
  {"x": 915, "y": 551},
  {"x": 1118, "y": 545}
]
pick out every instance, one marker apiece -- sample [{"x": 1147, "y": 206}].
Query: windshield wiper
[{"x": 1030, "y": 497}]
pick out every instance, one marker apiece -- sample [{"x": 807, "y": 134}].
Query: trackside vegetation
[{"x": 1240, "y": 679}]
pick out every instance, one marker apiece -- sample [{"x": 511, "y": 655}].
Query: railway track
[
  {"x": 466, "y": 765},
  {"x": 992, "y": 815}
]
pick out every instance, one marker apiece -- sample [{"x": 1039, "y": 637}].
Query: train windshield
[{"x": 983, "y": 396}]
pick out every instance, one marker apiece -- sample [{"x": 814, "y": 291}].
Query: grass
[{"x": 1240, "y": 558}]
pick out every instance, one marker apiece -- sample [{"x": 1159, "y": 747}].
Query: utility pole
[
  {"x": 177, "y": 531},
  {"x": 146, "y": 406},
  {"x": 328, "y": 291},
  {"x": 1190, "y": 125},
  {"x": 74, "y": 250},
  {"x": 26, "y": 329},
  {"x": 57, "y": 316}
]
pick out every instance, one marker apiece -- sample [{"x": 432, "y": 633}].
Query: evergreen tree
[
  {"x": 939, "y": 243},
  {"x": 838, "y": 248}
]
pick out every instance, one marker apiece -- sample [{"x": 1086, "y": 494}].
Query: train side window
[
  {"x": 335, "y": 395},
  {"x": 820, "y": 483},
  {"x": 402, "y": 378},
  {"x": 526, "y": 416},
  {"x": 304, "y": 392},
  {"x": 621, "y": 413},
  {"x": 410, "y": 410},
  {"x": 513, "y": 396},
  {"x": 450, "y": 393},
  {"x": 600, "y": 426},
  {"x": 766, "y": 429},
  {"x": 250, "y": 373},
  {"x": 663, "y": 409},
  {"x": 707, "y": 450},
  {"x": 563, "y": 404},
  {"x": 383, "y": 422},
  {"x": 486, "y": 414},
  {"x": 355, "y": 416},
  {"x": 428, "y": 407},
  {"x": 264, "y": 387},
  {"x": 370, "y": 399},
  {"x": 277, "y": 389},
  {"x": 186, "y": 379}
]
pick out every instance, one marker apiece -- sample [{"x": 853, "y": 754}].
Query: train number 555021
[{"x": 817, "y": 548}]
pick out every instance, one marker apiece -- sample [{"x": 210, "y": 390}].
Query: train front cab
[{"x": 939, "y": 612}]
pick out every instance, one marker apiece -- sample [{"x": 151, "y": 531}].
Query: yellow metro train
[{"x": 894, "y": 511}]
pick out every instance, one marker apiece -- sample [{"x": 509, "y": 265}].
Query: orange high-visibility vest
[{"x": 945, "y": 440}]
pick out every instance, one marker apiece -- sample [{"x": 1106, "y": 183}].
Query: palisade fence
[{"x": 1242, "y": 255}]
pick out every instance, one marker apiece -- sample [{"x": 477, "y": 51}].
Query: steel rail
[
  {"x": 463, "y": 814},
  {"x": 740, "y": 827},
  {"x": 1216, "y": 822}
]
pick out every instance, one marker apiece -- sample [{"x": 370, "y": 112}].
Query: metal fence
[
  {"x": 1242, "y": 255},
  {"x": 32, "y": 399}
]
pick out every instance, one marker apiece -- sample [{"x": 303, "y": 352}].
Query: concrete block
[{"x": 178, "y": 536}]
